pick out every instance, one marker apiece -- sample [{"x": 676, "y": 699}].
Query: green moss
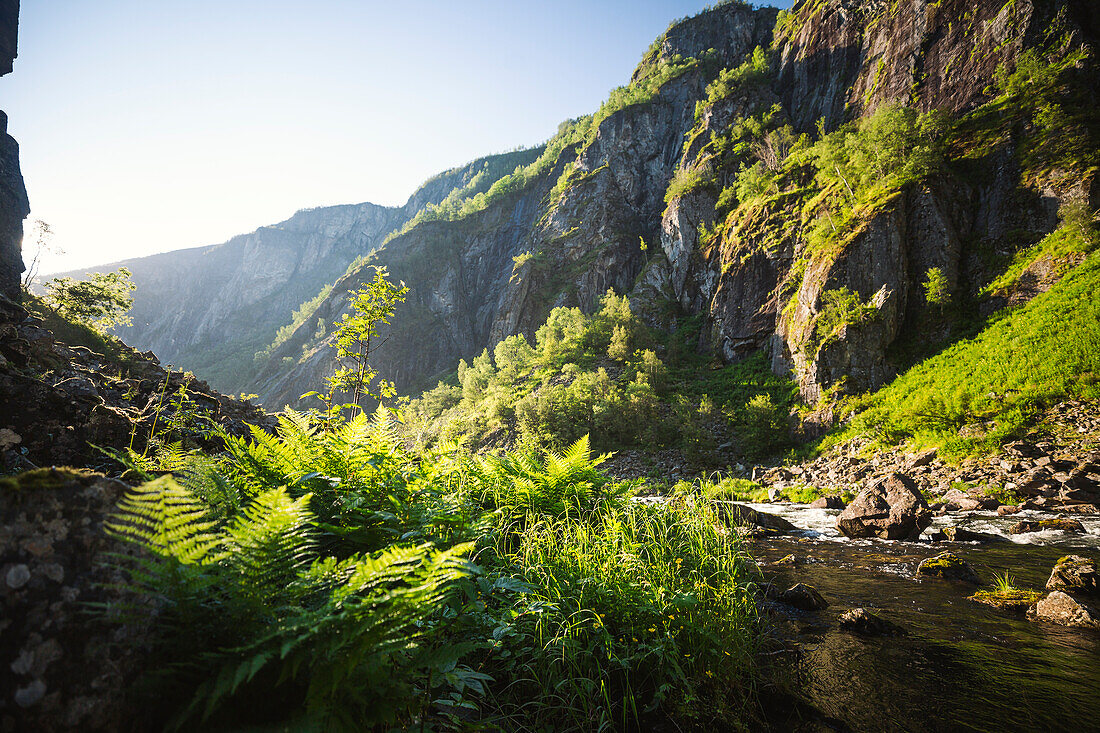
[
  {"x": 1012, "y": 599},
  {"x": 44, "y": 479}
]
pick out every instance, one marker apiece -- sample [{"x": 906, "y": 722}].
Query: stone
[
  {"x": 863, "y": 622},
  {"x": 1007, "y": 509},
  {"x": 803, "y": 597},
  {"x": 17, "y": 576},
  {"x": 741, "y": 515},
  {"x": 955, "y": 500},
  {"x": 949, "y": 566},
  {"x": 27, "y": 696},
  {"x": 828, "y": 502},
  {"x": 1038, "y": 525},
  {"x": 1062, "y": 608},
  {"x": 921, "y": 459},
  {"x": 1076, "y": 574},
  {"x": 890, "y": 509},
  {"x": 961, "y": 534}
]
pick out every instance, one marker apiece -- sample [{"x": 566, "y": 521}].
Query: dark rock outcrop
[
  {"x": 14, "y": 206},
  {"x": 63, "y": 665},
  {"x": 863, "y": 622},
  {"x": 1038, "y": 525},
  {"x": 803, "y": 597},
  {"x": 890, "y": 509}
]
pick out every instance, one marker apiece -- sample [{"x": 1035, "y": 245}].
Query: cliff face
[
  {"x": 14, "y": 206},
  {"x": 644, "y": 197},
  {"x": 756, "y": 281}
]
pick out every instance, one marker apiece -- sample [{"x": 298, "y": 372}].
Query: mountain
[
  {"x": 644, "y": 195},
  {"x": 211, "y": 309},
  {"x": 792, "y": 178}
]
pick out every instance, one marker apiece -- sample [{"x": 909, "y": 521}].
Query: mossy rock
[
  {"x": 44, "y": 479},
  {"x": 1077, "y": 574},
  {"x": 949, "y": 566},
  {"x": 1016, "y": 599}
]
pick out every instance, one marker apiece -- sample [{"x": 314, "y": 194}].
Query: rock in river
[
  {"x": 1075, "y": 574},
  {"x": 1061, "y": 608},
  {"x": 739, "y": 514},
  {"x": 803, "y": 597},
  {"x": 862, "y": 621},
  {"x": 1063, "y": 525},
  {"x": 891, "y": 509},
  {"x": 949, "y": 566}
]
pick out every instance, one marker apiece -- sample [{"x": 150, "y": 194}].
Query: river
[{"x": 963, "y": 666}]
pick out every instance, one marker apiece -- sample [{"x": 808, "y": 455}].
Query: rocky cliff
[
  {"x": 14, "y": 206},
  {"x": 701, "y": 108}
]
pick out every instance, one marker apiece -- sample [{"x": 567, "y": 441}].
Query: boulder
[
  {"x": 1076, "y": 574},
  {"x": 828, "y": 502},
  {"x": 861, "y": 621},
  {"x": 961, "y": 534},
  {"x": 803, "y": 597},
  {"x": 949, "y": 566},
  {"x": 741, "y": 515},
  {"x": 955, "y": 500},
  {"x": 891, "y": 509},
  {"x": 1038, "y": 525},
  {"x": 1005, "y": 509},
  {"x": 1062, "y": 608}
]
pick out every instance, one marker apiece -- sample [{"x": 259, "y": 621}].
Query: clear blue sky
[{"x": 151, "y": 125}]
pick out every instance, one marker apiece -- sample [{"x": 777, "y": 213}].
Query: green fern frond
[{"x": 169, "y": 520}]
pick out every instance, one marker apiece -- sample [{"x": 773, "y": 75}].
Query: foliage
[
  {"x": 100, "y": 302},
  {"x": 607, "y": 376},
  {"x": 42, "y": 239},
  {"x": 841, "y": 307},
  {"x": 302, "y": 314},
  {"x": 327, "y": 573},
  {"x": 371, "y": 308},
  {"x": 936, "y": 287},
  {"x": 995, "y": 384}
]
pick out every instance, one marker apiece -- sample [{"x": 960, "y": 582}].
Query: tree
[
  {"x": 937, "y": 291},
  {"x": 43, "y": 235},
  {"x": 102, "y": 301},
  {"x": 357, "y": 338}
]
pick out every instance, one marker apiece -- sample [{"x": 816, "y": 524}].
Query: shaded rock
[
  {"x": 803, "y": 597},
  {"x": 66, "y": 669},
  {"x": 1006, "y": 509},
  {"x": 828, "y": 502},
  {"x": 1038, "y": 525},
  {"x": 890, "y": 509},
  {"x": 1077, "y": 574},
  {"x": 961, "y": 534},
  {"x": 1061, "y": 608},
  {"x": 949, "y": 566},
  {"x": 739, "y": 514},
  {"x": 861, "y": 621}
]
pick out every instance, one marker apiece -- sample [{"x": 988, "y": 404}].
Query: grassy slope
[{"x": 992, "y": 386}]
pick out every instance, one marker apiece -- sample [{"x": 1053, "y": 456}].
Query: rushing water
[{"x": 963, "y": 665}]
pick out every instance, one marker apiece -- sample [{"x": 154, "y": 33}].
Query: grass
[
  {"x": 1006, "y": 595},
  {"x": 373, "y": 586},
  {"x": 995, "y": 384},
  {"x": 114, "y": 352}
]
